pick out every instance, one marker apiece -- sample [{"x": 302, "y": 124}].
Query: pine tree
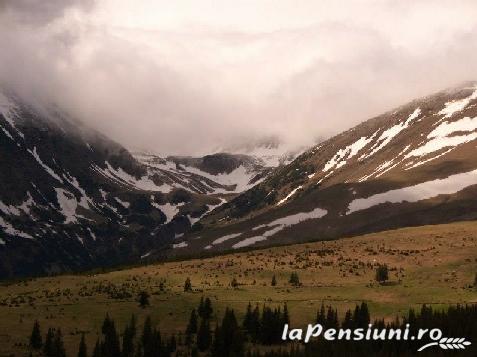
[
  {"x": 200, "y": 309},
  {"x": 247, "y": 321},
  {"x": 274, "y": 281},
  {"x": 82, "y": 351},
  {"x": 208, "y": 310},
  {"x": 234, "y": 283},
  {"x": 475, "y": 281},
  {"x": 144, "y": 299},
  {"x": 147, "y": 333},
  {"x": 192, "y": 326},
  {"x": 97, "y": 349},
  {"x": 172, "y": 344},
  {"x": 35, "y": 338},
  {"x": 187, "y": 285},
  {"x": 128, "y": 338},
  {"x": 294, "y": 279},
  {"x": 111, "y": 345},
  {"x": 48, "y": 348},
  {"x": 382, "y": 274},
  {"x": 58, "y": 345},
  {"x": 320, "y": 316},
  {"x": 286, "y": 316},
  {"x": 203, "y": 336}
]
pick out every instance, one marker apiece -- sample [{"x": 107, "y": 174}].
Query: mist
[{"x": 189, "y": 78}]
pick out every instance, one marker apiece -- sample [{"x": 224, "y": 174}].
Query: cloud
[
  {"x": 39, "y": 12},
  {"x": 186, "y": 78}
]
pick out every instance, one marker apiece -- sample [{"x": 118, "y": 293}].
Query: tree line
[{"x": 207, "y": 335}]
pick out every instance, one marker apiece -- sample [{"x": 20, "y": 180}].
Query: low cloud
[{"x": 187, "y": 79}]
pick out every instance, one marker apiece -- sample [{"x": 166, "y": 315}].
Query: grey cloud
[
  {"x": 39, "y": 12},
  {"x": 190, "y": 90}
]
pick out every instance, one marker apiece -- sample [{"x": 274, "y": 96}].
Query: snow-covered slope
[
  {"x": 72, "y": 199},
  {"x": 411, "y": 166}
]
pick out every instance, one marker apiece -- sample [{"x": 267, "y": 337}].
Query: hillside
[
  {"x": 434, "y": 265},
  {"x": 411, "y": 166},
  {"x": 72, "y": 199}
]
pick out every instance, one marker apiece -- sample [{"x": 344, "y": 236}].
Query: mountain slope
[
  {"x": 72, "y": 199},
  {"x": 411, "y": 166}
]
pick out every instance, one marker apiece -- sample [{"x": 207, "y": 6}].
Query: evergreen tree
[
  {"x": 286, "y": 316},
  {"x": 208, "y": 310},
  {"x": 82, "y": 351},
  {"x": 475, "y": 281},
  {"x": 203, "y": 336},
  {"x": 144, "y": 299},
  {"x": 192, "y": 326},
  {"x": 234, "y": 283},
  {"x": 35, "y": 337},
  {"x": 97, "y": 349},
  {"x": 48, "y": 347},
  {"x": 320, "y": 316},
  {"x": 128, "y": 338},
  {"x": 111, "y": 345},
  {"x": 382, "y": 274},
  {"x": 147, "y": 333},
  {"x": 247, "y": 321},
  {"x": 294, "y": 279},
  {"x": 187, "y": 285},
  {"x": 274, "y": 281},
  {"x": 228, "y": 339},
  {"x": 58, "y": 345},
  {"x": 172, "y": 344},
  {"x": 200, "y": 309}
]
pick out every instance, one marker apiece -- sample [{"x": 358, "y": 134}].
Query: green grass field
[{"x": 432, "y": 265}]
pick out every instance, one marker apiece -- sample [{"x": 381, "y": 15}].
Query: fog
[{"x": 190, "y": 77}]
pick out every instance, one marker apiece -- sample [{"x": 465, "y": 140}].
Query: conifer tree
[
  {"x": 208, "y": 310},
  {"x": 82, "y": 351},
  {"x": 144, "y": 299},
  {"x": 187, "y": 285},
  {"x": 97, "y": 349},
  {"x": 58, "y": 345},
  {"x": 382, "y": 274},
  {"x": 192, "y": 326},
  {"x": 200, "y": 309},
  {"x": 48, "y": 347},
  {"x": 128, "y": 338},
  {"x": 294, "y": 279},
  {"x": 274, "y": 281},
  {"x": 111, "y": 345},
  {"x": 35, "y": 337},
  {"x": 286, "y": 316},
  {"x": 203, "y": 336}
]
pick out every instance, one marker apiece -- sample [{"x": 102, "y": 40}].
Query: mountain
[
  {"x": 72, "y": 199},
  {"x": 412, "y": 166}
]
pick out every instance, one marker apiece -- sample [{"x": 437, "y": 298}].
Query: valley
[{"x": 433, "y": 265}]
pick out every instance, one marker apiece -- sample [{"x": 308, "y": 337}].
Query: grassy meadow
[{"x": 428, "y": 265}]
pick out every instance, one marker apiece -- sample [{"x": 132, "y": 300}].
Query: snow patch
[
  {"x": 122, "y": 203},
  {"x": 42, "y": 164},
  {"x": 341, "y": 157},
  {"x": 388, "y": 135},
  {"x": 68, "y": 205},
  {"x": 283, "y": 200},
  {"x": 180, "y": 245},
  {"x": 226, "y": 238},
  {"x": 422, "y": 191},
  {"x": 442, "y": 136},
  {"x": 457, "y": 105},
  {"x": 279, "y": 225}
]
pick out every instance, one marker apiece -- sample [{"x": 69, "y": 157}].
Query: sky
[{"x": 190, "y": 77}]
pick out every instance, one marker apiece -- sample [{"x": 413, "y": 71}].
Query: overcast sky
[{"x": 187, "y": 77}]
